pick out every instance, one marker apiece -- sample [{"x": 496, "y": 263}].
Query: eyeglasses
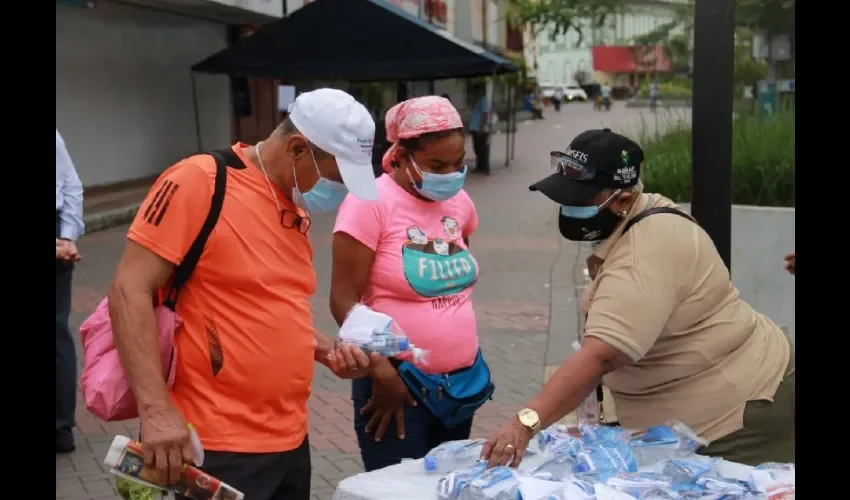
[
  {"x": 291, "y": 220},
  {"x": 569, "y": 166}
]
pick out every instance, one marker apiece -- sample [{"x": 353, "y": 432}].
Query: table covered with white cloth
[{"x": 409, "y": 481}]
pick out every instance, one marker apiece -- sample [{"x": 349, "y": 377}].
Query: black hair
[{"x": 415, "y": 144}]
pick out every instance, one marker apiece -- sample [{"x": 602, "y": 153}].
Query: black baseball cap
[{"x": 594, "y": 160}]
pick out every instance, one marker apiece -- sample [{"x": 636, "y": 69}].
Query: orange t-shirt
[{"x": 245, "y": 351}]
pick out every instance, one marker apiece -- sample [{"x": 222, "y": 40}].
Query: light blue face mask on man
[
  {"x": 438, "y": 187},
  {"x": 325, "y": 196}
]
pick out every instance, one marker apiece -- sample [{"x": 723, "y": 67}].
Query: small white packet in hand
[{"x": 361, "y": 322}]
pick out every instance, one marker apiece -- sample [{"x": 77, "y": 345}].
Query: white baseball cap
[{"x": 338, "y": 124}]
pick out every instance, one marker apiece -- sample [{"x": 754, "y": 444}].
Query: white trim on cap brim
[{"x": 358, "y": 178}]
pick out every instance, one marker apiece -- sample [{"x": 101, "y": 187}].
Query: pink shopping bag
[
  {"x": 104, "y": 384},
  {"x": 105, "y": 387}
]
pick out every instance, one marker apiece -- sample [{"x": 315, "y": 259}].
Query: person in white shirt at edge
[
  {"x": 69, "y": 227},
  {"x": 558, "y": 98}
]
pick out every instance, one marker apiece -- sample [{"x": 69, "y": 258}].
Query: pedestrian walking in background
[
  {"x": 479, "y": 126},
  {"x": 665, "y": 327},
  {"x": 558, "y": 98},
  {"x": 605, "y": 92},
  {"x": 247, "y": 344},
  {"x": 384, "y": 256},
  {"x": 653, "y": 95},
  {"x": 69, "y": 227}
]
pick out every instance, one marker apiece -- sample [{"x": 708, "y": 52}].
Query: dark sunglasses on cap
[{"x": 570, "y": 167}]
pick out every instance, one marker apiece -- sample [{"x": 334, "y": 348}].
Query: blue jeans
[{"x": 423, "y": 431}]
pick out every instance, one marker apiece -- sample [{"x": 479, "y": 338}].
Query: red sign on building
[{"x": 630, "y": 59}]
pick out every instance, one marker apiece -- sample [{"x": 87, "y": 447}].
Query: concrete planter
[{"x": 662, "y": 103}]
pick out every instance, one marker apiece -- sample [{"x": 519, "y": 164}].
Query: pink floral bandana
[{"x": 415, "y": 117}]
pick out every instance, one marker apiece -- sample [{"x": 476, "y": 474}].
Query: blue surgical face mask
[
  {"x": 587, "y": 212},
  {"x": 438, "y": 187},
  {"x": 325, "y": 196}
]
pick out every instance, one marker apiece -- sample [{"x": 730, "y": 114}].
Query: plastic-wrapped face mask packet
[
  {"x": 638, "y": 483},
  {"x": 555, "y": 469},
  {"x": 681, "y": 492},
  {"x": 674, "y": 439},
  {"x": 576, "y": 488},
  {"x": 498, "y": 483},
  {"x": 776, "y": 481},
  {"x": 592, "y": 432},
  {"x": 555, "y": 435},
  {"x": 453, "y": 455},
  {"x": 613, "y": 456},
  {"x": 570, "y": 446},
  {"x": 687, "y": 470},
  {"x": 450, "y": 486},
  {"x": 722, "y": 484}
]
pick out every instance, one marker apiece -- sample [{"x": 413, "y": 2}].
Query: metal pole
[
  {"x": 714, "y": 47},
  {"x": 507, "y": 125},
  {"x": 197, "y": 112},
  {"x": 513, "y": 123}
]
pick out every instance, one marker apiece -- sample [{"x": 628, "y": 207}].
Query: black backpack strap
[
  {"x": 187, "y": 266},
  {"x": 657, "y": 210}
]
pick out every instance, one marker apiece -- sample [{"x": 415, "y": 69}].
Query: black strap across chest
[{"x": 657, "y": 210}]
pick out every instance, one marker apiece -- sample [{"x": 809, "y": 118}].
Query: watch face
[{"x": 528, "y": 417}]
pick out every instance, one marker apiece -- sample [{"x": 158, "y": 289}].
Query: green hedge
[
  {"x": 762, "y": 159},
  {"x": 666, "y": 90}
]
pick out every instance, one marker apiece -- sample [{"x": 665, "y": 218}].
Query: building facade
[
  {"x": 124, "y": 101},
  {"x": 561, "y": 59}
]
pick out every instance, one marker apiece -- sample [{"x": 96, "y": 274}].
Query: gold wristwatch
[{"x": 529, "y": 418}]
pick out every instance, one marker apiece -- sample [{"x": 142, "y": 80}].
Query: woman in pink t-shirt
[{"x": 407, "y": 256}]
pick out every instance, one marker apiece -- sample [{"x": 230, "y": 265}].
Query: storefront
[{"x": 123, "y": 88}]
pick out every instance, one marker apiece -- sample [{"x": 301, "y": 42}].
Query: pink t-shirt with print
[{"x": 423, "y": 274}]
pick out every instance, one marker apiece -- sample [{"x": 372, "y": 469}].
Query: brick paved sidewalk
[{"x": 516, "y": 245}]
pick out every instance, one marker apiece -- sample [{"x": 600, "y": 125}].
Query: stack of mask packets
[{"x": 593, "y": 462}]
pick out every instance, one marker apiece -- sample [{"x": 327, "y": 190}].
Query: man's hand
[
  {"x": 67, "y": 250},
  {"x": 791, "y": 262},
  {"x": 166, "y": 442},
  {"x": 389, "y": 395},
  {"x": 506, "y": 445},
  {"x": 348, "y": 361}
]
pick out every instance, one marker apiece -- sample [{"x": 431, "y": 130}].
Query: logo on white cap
[{"x": 338, "y": 124}]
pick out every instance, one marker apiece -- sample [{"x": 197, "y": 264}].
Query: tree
[{"x": 562, "y": 16}]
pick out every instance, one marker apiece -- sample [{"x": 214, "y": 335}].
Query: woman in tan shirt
[{"x": 665, "y": 328}]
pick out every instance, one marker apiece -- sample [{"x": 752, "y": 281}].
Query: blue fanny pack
[{"x": 452, "y": 397}]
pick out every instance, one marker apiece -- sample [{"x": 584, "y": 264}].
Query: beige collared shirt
[{"x": 664, "y": 298}]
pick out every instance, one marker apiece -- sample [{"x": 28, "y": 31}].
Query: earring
[{"x": 624, "y": 213}]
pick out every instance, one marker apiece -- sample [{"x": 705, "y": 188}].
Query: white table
[{"x": 408, "y": 480}]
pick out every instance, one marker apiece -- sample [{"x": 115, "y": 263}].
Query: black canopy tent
[{"x": 354, "y": 41}]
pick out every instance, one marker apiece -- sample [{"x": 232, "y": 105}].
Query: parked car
[
  {"x": 574, "y": 93},
  {"x": 571, "y": 92}
]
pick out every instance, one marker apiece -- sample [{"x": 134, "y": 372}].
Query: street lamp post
[{"x": 711, "y": 121}]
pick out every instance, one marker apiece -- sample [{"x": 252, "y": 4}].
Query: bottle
[
  {"x": 453, "y": 455},
  {"x": 388, "y": 344},
  {"x": 376, "y": 332}
]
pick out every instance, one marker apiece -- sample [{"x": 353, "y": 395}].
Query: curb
[
  {"x": 644, "y": 103},
  {"x": 107, "y": 219}
]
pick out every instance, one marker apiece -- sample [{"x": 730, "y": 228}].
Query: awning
[{"x": 353, "y": 40}]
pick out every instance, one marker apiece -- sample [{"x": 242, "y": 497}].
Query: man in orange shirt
[{"x": 246, "y": 347}]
